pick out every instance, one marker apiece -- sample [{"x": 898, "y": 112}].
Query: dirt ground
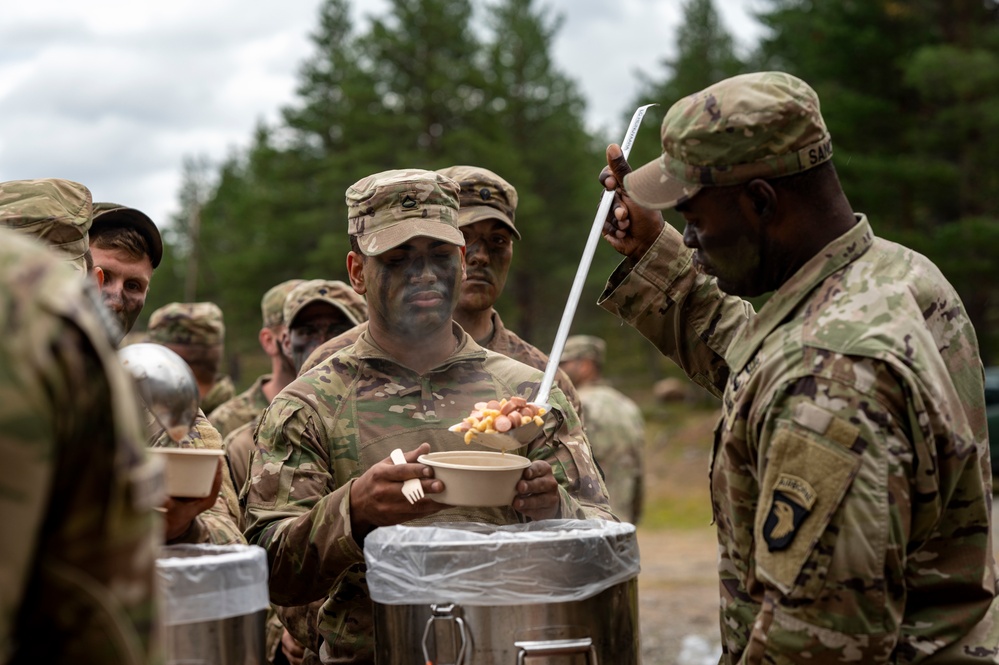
[{"x": 678, "y": 597}]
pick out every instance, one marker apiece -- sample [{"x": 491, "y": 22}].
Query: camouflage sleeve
[
  {"x": 866, "y": 514},
  {"x": 565, "y": 384},
  {"x": 682, "y": 312},
  {"x": 294, "y": 509},
  {"x": 219, "y": 524},
  {"x": 564, "y": 445}
]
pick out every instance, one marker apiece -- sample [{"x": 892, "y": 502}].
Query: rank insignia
[{"x": 793, "y": 499}]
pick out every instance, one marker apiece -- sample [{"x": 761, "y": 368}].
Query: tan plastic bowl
[
  {"x": 189, "y": 472},
  {"x": 476, "y": 477}
]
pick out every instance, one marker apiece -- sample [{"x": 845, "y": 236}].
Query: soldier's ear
[{"x": 355, "y": 271}]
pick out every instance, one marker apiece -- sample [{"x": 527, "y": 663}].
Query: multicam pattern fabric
[
  {"x": 615, "y": 428},
  {"x": 759, "y": 125},
  {"x": 196, "y": 323},
  {"x": 219, "y": 524},
  {"x": 239, "y": 446},
  {"x": 58, "y": 212},
  {"x": 241, "y": 409},
  {"x": 483, "y": 195},
  {"x": 850, "y": 478},
  {"x": 347, "y": 414},
  {"x": 386, "y": 209},
  {"x": 272, "y": 304},
  {"x": 221, "y": 392},
  {"x": 334, "y": 292},
  {"x": 77, "y": 488}
]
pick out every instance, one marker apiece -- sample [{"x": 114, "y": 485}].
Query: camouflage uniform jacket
[
  {"x": 219, "y": 525},
  {"x": 345, "y": 415},
  {"x": 615, "y": 428},
  {"x": 220, "y": 393},
  {"x": 241, "y": 409},
  {"x": 850, "y": 476},
  {"x": 77, "y": 487}
]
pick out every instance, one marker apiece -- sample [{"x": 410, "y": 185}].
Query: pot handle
[
  {"x": 444, "y": 613},
  {"x": 556, "y": 648}
]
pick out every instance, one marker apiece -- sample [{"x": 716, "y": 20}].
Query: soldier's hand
[
  {"x": 537, "y": 492},
  {"x": 292, "y": 650},
  {"x": 376, "y": 497},
  {"x": 629, "y": 228},
  {"x": 180, "y": 513}
]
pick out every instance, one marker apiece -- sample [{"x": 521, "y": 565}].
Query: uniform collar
[
  {"x": 840, "y": 252},
  {"x": 365, "y": 348}
]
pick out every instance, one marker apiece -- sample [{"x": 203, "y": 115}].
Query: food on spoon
[{"x": 499, "y": 416}]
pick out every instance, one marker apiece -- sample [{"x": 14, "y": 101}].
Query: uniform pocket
[{"x": 806, "y": 478}]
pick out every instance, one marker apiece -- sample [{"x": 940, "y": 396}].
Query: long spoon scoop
[{"x": 529, "y": 431}]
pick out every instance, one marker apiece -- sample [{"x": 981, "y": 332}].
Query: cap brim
[
  {"x": 351, "y": 316},
  {"x": 138, "y": 220},
  {"x": 651, "y": 188},
  {"x": 473, "y": 214},
  {"x": 382, "y": 240}
]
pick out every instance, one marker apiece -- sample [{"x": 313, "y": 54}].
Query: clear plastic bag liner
[
  {"x": 200, "y": 583},
  {"x": 548, "y": 561}
]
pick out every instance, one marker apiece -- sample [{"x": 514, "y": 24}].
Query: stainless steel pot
[
  {"x": 214, "y": 603},
  {"x": 557, "y": 592},
  {"x": 601, "y": 629}
]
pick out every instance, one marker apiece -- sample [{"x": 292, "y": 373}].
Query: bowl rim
[
  {"x": 218, "y": 452},
  {"x": 517, "y": 462}
]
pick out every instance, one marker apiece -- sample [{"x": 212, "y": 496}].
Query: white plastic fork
[{"x": 412, "y": 489}]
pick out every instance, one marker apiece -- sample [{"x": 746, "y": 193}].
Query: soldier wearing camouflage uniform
[
  {"x": 614, "y": 424},
  {"x": 127, "y": 247},
  {"x": 196, "y": 332},
  {"x": 487, "y": 207},
  {"x": 850, "y": 479},
  {"x": 322, "y": 478},
  {"x": 247, "y": 406},
  {"x": 77, "y": 489}
]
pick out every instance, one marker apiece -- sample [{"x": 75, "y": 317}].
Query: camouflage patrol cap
[
  {"x": 584, "y": 347},
  {"x": 108, "y": 215},
  {"x": 194, "y": 323},
  {"x": 761, "y": 125},
  {"x": 386, "y": 209},
  {"x": 57, "y": 211},
  {"x": 272, "y": 304},
  {"x": 483, "y": 195},
  {"x": 339, "y": 295}
]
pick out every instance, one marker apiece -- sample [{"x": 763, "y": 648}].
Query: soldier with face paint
[
  {"x": 322, "y": 478},
  {"x": 850, "y": 475}
]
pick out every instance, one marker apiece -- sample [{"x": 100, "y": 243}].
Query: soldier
[
  {"x": 196, "y": 332},
  {"x": 248, "y": 405},
  {"x": 127, "y": 247},
  {"x": 487, "y": 207},
  {"x": 322, "y": 478},
  {"x": 850, "y": 478},
  {"x": 77, "y": 489},
  {"x": 614, "y": 425}
]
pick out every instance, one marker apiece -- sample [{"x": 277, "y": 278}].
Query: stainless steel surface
[
  {"x": 166, "y": 385},
  {"x": 602, "y": 628},
  {"x": 596, "y": 231},
  {"x": 234, "y": 641}
]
